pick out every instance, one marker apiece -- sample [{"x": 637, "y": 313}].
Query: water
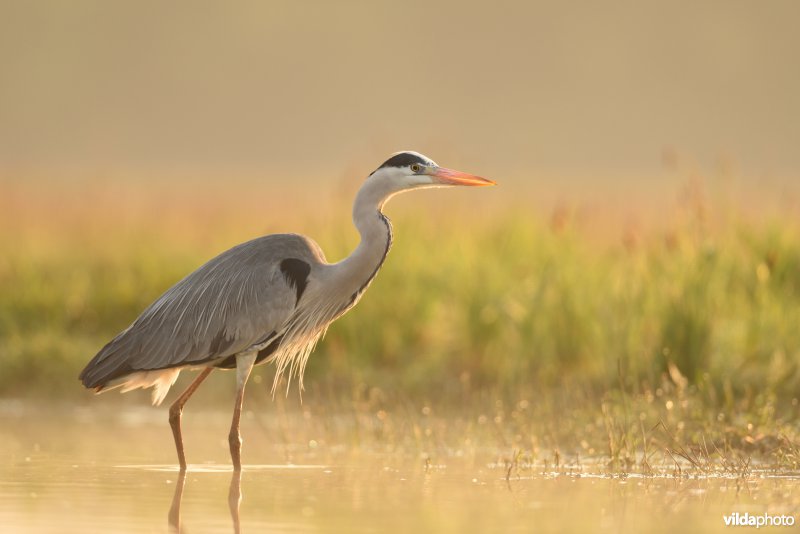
[{"x": 76, "y": 471}]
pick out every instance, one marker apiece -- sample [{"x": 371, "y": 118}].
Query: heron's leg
[
  {"x": 244, "y": 364},
  {"x": 176, "y": 410}
]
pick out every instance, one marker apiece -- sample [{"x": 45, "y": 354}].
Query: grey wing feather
[{"x": 231, "y": 303}]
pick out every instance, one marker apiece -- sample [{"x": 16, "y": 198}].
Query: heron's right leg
[
  {"x": 244, "y": 364},
  {"x": 176, "y": 410}
]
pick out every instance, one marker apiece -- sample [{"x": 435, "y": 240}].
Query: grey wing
[{"x": 237, "y": 300}]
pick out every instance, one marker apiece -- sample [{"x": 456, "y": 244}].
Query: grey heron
[{"x": 267, "y": 300}]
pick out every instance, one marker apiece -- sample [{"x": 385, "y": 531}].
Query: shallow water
[{"x": 80, "y": 472}]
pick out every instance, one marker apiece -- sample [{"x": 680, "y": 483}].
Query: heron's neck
[{"x": 360, "y": 267}]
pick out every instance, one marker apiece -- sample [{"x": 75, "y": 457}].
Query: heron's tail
[
  {"x": 110, "y": 369},
  {"x": 107, "y": 365}
]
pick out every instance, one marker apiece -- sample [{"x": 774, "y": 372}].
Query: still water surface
[{"x": 73, "y": 472}]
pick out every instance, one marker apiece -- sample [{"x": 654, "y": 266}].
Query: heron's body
[{"x": 269, "y": 299}]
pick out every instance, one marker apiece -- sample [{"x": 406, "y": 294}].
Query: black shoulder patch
[
  {"x": 296, "y": 273},
  {"x": 403, "y": 159}
]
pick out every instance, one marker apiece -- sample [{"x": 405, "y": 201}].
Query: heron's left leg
[
  {"x": 244, "y": 364},
  {"x": 176, "y": 410}
]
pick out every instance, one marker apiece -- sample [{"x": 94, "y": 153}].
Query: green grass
[{"x": 692, "y": 326}]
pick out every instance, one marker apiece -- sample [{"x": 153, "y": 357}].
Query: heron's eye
[{"x": 416, "y": 167}]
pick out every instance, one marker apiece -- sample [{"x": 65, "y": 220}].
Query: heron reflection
[{"x": 234, "y": 500}]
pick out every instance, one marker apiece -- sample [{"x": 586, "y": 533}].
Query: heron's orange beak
[{"x": 451, "y": 177}]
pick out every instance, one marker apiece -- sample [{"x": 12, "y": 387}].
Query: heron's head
[{"x": 411, "y": 170}]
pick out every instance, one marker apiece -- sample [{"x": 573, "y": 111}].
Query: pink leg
[
  {"x": 244, "y": 364},
  {"x": 176, "y": 410}
]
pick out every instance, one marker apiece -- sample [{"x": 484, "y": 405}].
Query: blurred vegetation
[{"x": 518, "y": 303}]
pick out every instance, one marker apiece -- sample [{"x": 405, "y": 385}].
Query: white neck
[{"x": 355, "y": 272}]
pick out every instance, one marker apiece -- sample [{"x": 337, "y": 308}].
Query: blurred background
[
  {"x": 518, "y": 89},
  {"x": 645, "y": 227}
]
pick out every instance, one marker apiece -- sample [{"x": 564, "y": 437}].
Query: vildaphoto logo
[{"x": 762, "y": 520}]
